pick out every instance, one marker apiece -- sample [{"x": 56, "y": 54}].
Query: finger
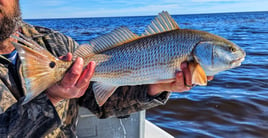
[
  {"x": 179, "y": 79},
  {"x": 179, "y": 85},
  {"x": 67, "y": 57},
  {"x": 86, "y": 75},
  {"x": 187, "y": 74},
  {"x": 73, "y": 74},
  {"x": 210, "y": 78}
]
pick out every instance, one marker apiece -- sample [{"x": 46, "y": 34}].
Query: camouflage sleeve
[
  {"x": 124, "y": 101},
  {"x": 55, "y": 42},
  {"x": 33, "y": 119}
]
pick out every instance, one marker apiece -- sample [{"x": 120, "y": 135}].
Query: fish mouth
[{"x": 237, "y": 62}]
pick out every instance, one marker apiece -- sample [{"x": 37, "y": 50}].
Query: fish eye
[{"x": 232, "y": 49}]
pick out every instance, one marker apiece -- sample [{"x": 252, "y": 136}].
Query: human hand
[
  {"x": 182, "y": 82},
  {"x": 74, "y": 83}
]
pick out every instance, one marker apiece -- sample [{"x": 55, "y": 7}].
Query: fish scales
[{"x": 142, "y": 59}]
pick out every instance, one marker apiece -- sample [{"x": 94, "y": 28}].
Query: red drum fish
[{"x": 125, "y": 58}]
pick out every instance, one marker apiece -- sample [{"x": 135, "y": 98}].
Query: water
[{"x": 234, "y": 104}]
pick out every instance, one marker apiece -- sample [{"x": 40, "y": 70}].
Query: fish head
[{"x": 218, "y": 54}]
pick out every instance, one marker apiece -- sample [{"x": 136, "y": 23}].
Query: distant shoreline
[{"x": 145, "y": 15}]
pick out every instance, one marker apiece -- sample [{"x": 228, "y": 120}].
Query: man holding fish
[{"x": 53, "y": 111}]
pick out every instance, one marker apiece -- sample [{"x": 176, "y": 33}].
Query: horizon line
[{"x": 55, "y": 18}]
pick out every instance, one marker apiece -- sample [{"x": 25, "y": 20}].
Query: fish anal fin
[
  {"x": 198, "y": 74},
  {"x": 162, "y": 23},
  {"x": 103, "y": 92}
]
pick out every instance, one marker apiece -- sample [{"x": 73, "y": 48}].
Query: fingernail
[
  {"x": 64, "y": 58},
  {"x": 90, "y": 64},
  {"x": 183, "y": 65},
  {"x": 179, "y": 74},
  {"x": 80, "y": 60}
]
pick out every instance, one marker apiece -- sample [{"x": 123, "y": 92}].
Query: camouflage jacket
[{"x": 39, "y": 118}]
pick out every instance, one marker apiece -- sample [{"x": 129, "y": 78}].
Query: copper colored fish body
[{"x": 124, "y": 58}]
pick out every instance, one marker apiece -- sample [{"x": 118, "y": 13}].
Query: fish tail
[{"x": 38, "y": 69}]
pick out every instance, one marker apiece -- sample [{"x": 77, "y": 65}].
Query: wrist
[{"x": 54, "y": 100}]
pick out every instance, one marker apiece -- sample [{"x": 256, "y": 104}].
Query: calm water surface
[{"x": 234, "y": 104}]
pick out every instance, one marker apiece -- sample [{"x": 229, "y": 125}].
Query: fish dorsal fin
[
  {"x": 102, "y": 92},
  {"x": 84, "y": 51},
  {"x": 162, "y": 23},
  {"x": 113, "y": 39},
  {"x": 198, "y": 74}
]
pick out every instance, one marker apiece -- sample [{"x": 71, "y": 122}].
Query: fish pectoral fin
[
  {"x": 162, "y": 23},
  {"x": 102, "y": 92},
  {"x": 199, "y": 76}
]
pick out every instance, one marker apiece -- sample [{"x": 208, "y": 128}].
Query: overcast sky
[{"x": 107, "y": 8}]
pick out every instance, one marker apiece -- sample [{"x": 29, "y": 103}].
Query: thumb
[{"x": 67, "y": 57}]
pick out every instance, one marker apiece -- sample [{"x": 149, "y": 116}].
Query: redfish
[{"x": 124, "y": 58}]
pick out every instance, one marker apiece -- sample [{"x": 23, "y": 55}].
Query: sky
[{"x": 32, "y": 9}]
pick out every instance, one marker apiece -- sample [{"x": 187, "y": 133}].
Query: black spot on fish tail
[{"x": 52, "y": 64}]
